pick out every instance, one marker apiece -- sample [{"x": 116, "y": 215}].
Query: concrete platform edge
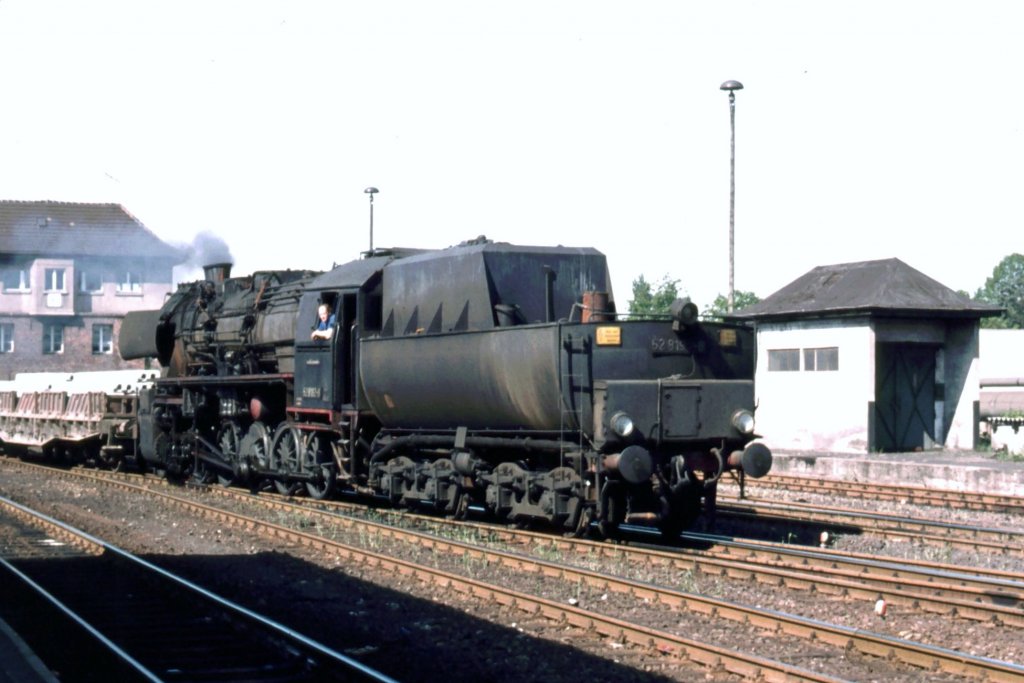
[{"x": 949, "y": 470}]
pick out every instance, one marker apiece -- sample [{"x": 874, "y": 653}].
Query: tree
[
  {"x": 741, "y": 299},
  {"x": 647, "y": 302},
  {"x": 1006, "y": 289}
]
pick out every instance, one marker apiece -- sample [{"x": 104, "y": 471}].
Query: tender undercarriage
[{"x": 539, "y": 481}]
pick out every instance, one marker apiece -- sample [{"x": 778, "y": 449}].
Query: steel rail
[
  {"x": 968, "y": 500},
  {"x": 969, "y": 594},
  {"x": 867, "y": 643},
  {"x": 998, "y": 541},
  {"x": 933, "y": 591},
  {"x": 933, "y": 588},
  {"x": 927, "y": 657},
  {"x": 743, "y": 664},
  {"x": 987, "y": 585},
  {"x": 291, "y": 635},
  {"x": 821, "y": 559},
  {"x": 123, "y": 656},
  {"x": 712, "y": 656}
]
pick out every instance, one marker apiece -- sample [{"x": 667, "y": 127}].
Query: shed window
[
  {"x": 784, "y": 360},
  {"x": 130, "y": 283},
  {"x": 102, "y": 338},
  {"x": 53, "y": 339},
  {"x": 6, "y": 337},
  {"x": 821, "y": 360},
  {"x": 91, "y": 281},
  {"x": 15, "y": 280},
  {"x": 54, "y": 280}
]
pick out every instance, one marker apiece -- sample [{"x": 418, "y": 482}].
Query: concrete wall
[
  {"x": 961, "y": 379},
  {"x": 829, "y": 411},
  {"x": 814, "y": 410}
]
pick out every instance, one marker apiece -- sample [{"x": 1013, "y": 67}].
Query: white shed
[{"x": 869, "y": 356}]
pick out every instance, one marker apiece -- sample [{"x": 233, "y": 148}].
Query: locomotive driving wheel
[
  {"x": 254, "y": 451},
  {"x": 317, "y": 461},
  {"x": 162, "y": 446},
  {"x": 229, "y": 441},
  {"x": 286, "y": 454}
]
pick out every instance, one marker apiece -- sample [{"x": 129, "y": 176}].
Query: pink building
[{"x": 68, "y": 275}]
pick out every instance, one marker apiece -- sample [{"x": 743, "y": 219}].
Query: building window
[
  {"x": 53, "y": 339},
  {"x": 130, "y": 283},
  {"x": 784, "y": 360},
  {"x": 102, "y": 339},
  {"x": 54, "y": 281},
  {"x": 15, "y": 280},
  {"x": 821, "y": 360},
  {"x": 90, "y": 281},
  {"x": 6, "y": 337}
]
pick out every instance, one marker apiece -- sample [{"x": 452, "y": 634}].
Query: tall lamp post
[
  {"x": 371, "y": 191},
  {"x": 732, "y": 87}
]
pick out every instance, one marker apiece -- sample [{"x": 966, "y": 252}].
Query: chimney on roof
[{"x": 217, "y": 273}]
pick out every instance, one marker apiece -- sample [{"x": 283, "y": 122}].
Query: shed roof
[
  {"x": 74, "y": 229},
  {"x": 885, "y": 287}
]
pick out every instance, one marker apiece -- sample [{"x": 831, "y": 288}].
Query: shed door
[{"x": 904, "y": 396}]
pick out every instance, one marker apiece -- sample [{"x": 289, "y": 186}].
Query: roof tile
[
  {"x": 75, "y": 229},
  {"x": 887, "y": 286}
]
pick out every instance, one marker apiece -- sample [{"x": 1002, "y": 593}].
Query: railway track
[
  {"x": 529, "y": 606},
  {"x": 873, "y": 645},
  {"x": 918, "y": 495},
  {"x": 123, "y": 618},
  {"x": 837, "y": 520},
  {"x": 979, "y": 595}
]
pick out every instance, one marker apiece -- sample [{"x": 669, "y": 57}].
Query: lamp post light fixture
[
  {"x": 371, "y": 191},
  {"x": 732, "y": 87}
]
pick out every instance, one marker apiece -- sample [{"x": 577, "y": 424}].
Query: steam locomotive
[{"x": 484, "y": 376}]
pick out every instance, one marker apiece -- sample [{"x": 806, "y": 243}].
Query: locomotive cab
[
  {"x": 323, "y": 368},
  {"x": 326, "y": 371}
]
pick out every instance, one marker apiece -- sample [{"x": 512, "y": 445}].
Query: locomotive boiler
[{"x": 482, "y": 377}]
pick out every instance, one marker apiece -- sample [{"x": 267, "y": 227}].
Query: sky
[{"x": 865, "y": 130}]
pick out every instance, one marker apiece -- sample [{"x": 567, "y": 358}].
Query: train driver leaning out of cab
[{"x": 325, "y": 327}]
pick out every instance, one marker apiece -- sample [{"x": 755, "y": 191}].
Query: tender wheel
[
  {"x": 286, "y": 455},
  {"x": 460, "y": 508},
  {"x": 582, "y": 527},
  {"x": 317, "y": 460},
  {"x": 229, "y": 441}
]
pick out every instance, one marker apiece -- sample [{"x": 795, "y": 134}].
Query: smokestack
[{"x": 217, "y": 273}]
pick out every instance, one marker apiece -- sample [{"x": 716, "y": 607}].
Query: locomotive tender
[{"x": 484, "y": 375}]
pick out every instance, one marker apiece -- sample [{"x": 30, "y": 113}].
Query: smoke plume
[{"x": 206, "y": 249}]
